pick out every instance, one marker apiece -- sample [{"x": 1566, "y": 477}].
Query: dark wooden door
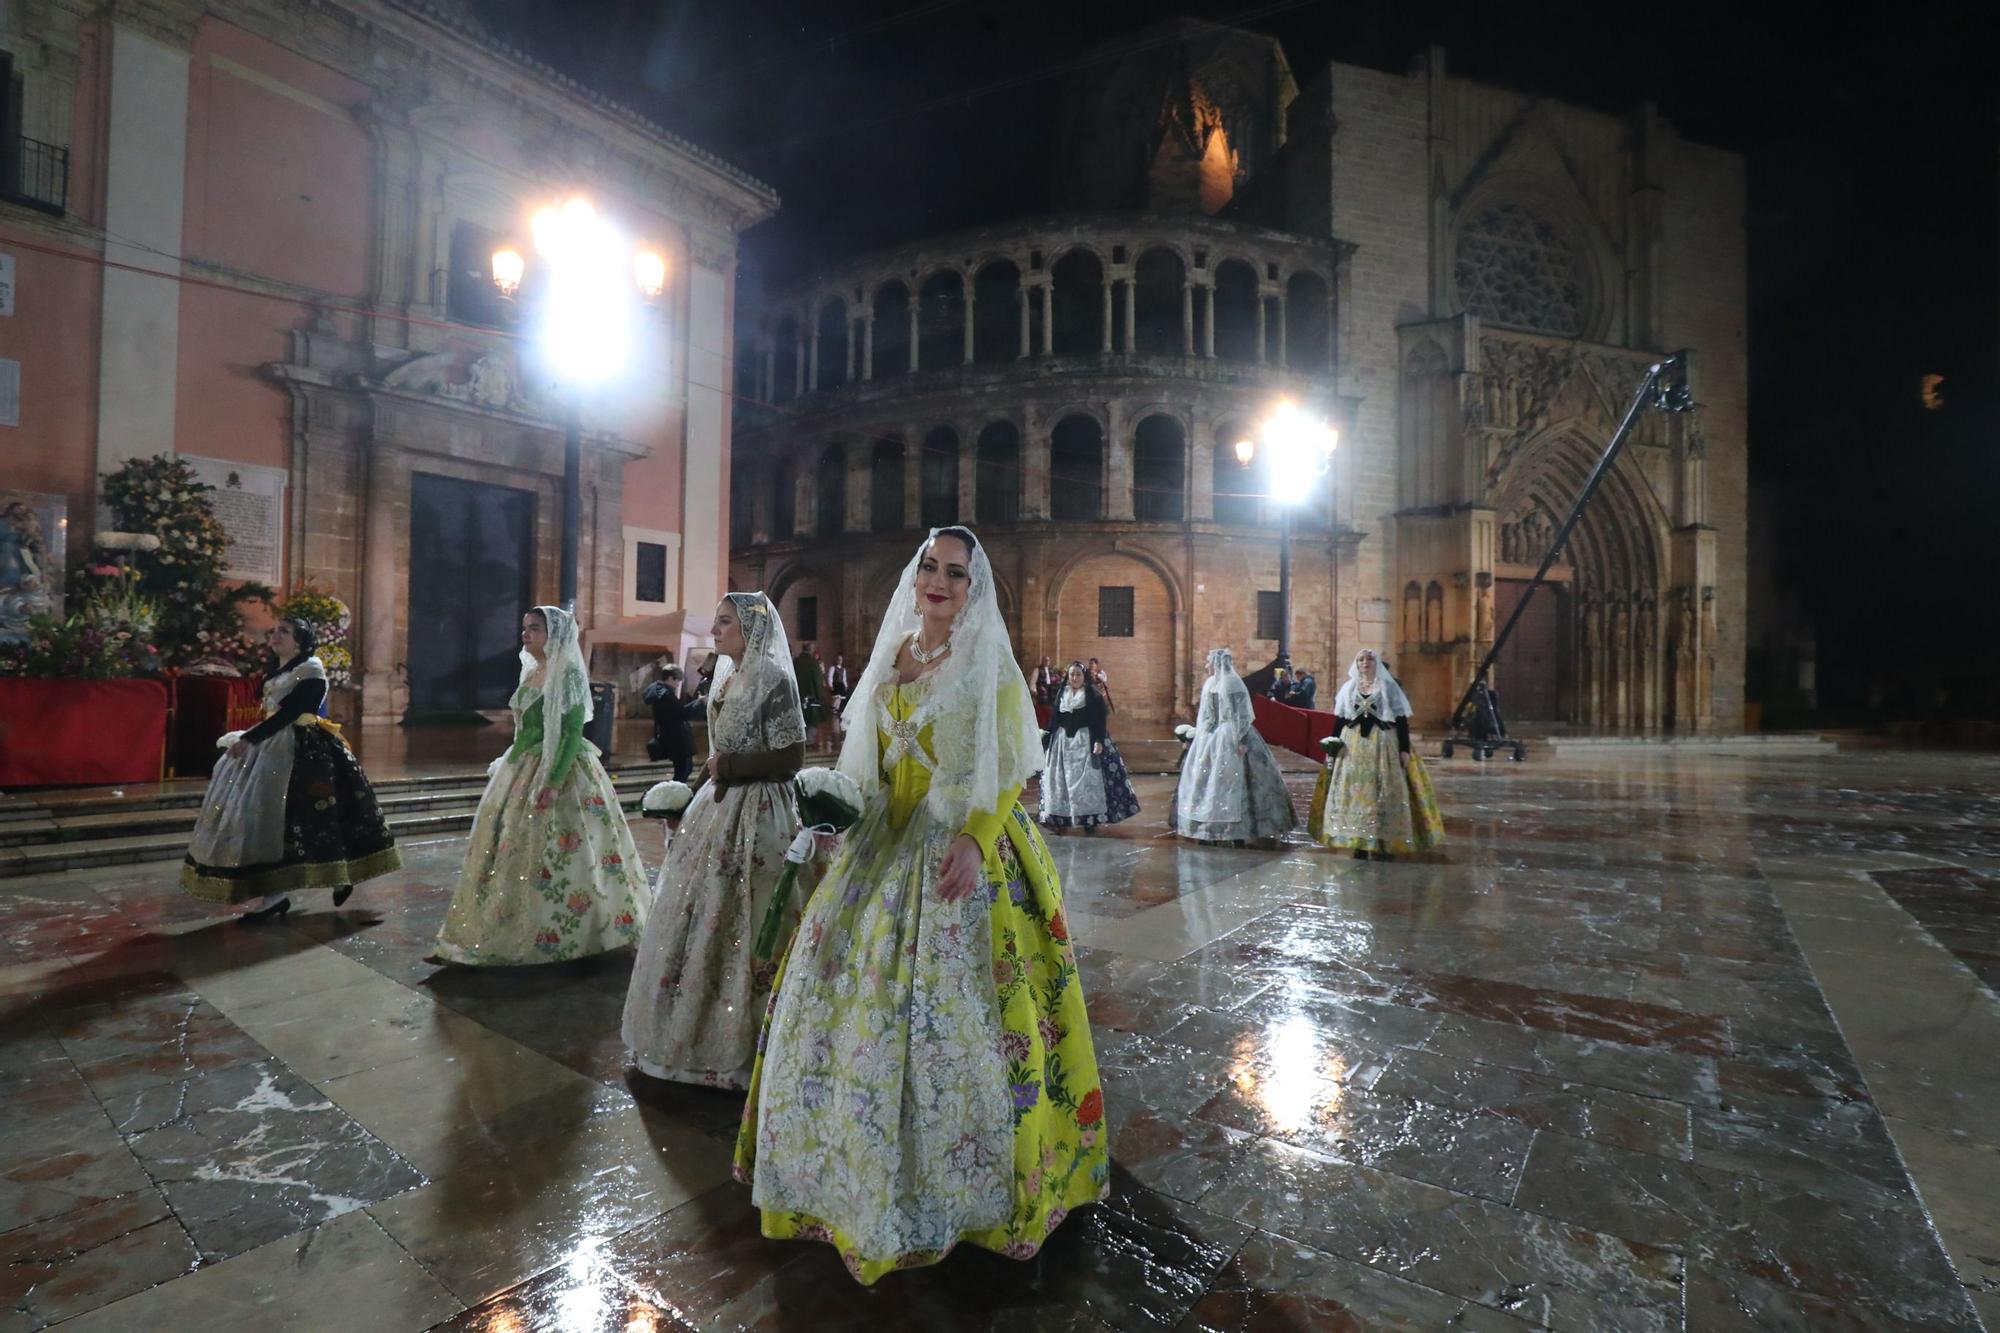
[
  {"x": 471, "y": 559},
  {"x": 1531, "y": 666}
]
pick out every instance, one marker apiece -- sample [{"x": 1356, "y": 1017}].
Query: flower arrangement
[
  {"x": 1184, "y": 734},
  {"x": 666, "y": 800},
  {"x": 78, "y": 648},
  {"x": 330, "y": 620},
  {"x": 167, "y": 527},
  {"x": 829, "y": 804},
  {"x": 1331, "y": 746}
]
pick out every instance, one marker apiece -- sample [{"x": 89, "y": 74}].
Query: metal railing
[{"x": 35, "y": 174}]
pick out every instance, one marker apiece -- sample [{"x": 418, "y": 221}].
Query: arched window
[
  {"x": 1159, "y": 470},
  {"x": 997, "y": 493},
  {"x": 892, "y": 330},
  {"x": 1236, "y": 311},
  {"x": 996, "y": 314},
  {"x": 1308, "y": 323},
  {"x": 832, "y": 344},
  {"x": 832, "y": 477},
  {"x": 939, "y": 478},
  {"x": 941, "y": 322},
  {"x": 885, "y": 486},
  {"x": 1076, "y": 469},
  {"x": 1079, "y": 304},
  {"x": 1159, "y": 276},
  {"x": 1237, "y": 487}
]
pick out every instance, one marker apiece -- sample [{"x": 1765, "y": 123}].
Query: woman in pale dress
[
  {"x": 1231, "y": 789},
  {"x": 926, "y": 1074},
  {"x": 551, "y": 873},
  {"x": 288, "y": 806},
  {"x": 1375, "y": 799},
  {"x": 1084, "y": 782},
  {"x": 699, "y": 988}
]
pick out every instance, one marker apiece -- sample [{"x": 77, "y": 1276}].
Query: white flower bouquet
[
  {"x": 829, "y": 804},
  {"x": 666, "y": 800},
  {"x": 1331, "y": 746},
  {"x": 1184, "y": 734}
]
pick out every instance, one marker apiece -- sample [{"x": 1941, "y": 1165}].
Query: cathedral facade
[{"x": 1467, "y": 283}]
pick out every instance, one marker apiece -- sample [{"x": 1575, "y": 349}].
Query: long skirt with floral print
[
  {"x": 1372, "y": 798},
  {"x": 543, "y": 886},
  {"x": 699, "y": 987},
  {"x": 926, "y": 1075}
]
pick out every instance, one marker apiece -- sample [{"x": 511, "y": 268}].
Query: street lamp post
[
  {"x": 587, "y": 303},
  {"x": 1298, "y": 451}
]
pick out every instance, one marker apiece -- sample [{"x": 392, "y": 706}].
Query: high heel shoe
[
  {"x": 265, "y": 913},
  {"x": 342, "y": 894}
]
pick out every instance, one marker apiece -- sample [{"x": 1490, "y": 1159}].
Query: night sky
[{"x": 1874, "y": 241}]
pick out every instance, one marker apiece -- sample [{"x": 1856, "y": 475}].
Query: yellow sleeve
[{"x": 983, "y": 826}]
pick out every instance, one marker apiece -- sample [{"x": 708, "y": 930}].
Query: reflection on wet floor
[{"x": 1580, "y": 1071}]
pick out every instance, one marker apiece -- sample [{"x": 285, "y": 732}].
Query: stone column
[
  {"x": 868, "y": 346},
  {"x": 860, "y": 490},
  {"x": 1208, "y": 320},
  {"x": 1263, "y": 318},
  {"x": 853, "y": 349},
  {"x": 968, "y": 471},
  {"x": 1201, "y": 471},
  {"x": 966, "y": 279},
  {"x": 805, "y": 499},
  {"x": 1035, "y": 451},
  {"x": 1049, "y": 318},
  {"x": 385, "y": 518},
  {"x": 913, "y": 476},
  {"x": 1187, "y": 318},
  {"x": 1026, "y": 350},
  {"x": 915, "y": 329},
  {"x": 812, "y": 359},
  {"x": 1118, "y": 466},
  {"x": 1131, "y": 318},
  {"x": 1282, "y": 358},
  {"x": 1106, "y": 289},
  {"x": 760, "y": 503}
]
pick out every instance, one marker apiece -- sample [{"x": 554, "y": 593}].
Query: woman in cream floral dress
[
  {"x": 926, "y": 1074},
  {"x": 551, "y": 873},
  {"x": 699, "y": 988}
]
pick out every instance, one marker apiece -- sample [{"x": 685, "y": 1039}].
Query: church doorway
[
  {"x": 1531, "y": 670},
  {"x": 471, "y": 557}
]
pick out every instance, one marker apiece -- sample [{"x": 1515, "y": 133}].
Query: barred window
[
  {"x": 1270, "y": 616},
  {"x": 1114, "y": 613},
  {"x": 1517, "y": 268},
  {"x": 651, "y": 576}
]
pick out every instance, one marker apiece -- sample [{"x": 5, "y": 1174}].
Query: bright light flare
[
  {"x": 590, "y": 314},
  {"x": 508, "y": 269},
  {"x": 650, "y": 271},
  {"x": 1297, "y": 448}
]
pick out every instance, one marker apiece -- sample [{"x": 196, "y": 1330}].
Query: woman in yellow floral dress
[
  {"x": 926, "y": 1074},
  {"x": 1375, "y": 797}
]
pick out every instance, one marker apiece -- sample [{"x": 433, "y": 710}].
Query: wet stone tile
[
  {"x": 1724, "y": 1301},
  {"x": 1649, "y": 1072},
  {"x": 147, "y": 1040},
  {"x": 1884, "y": 1257},
  {"x": 586, "y": 1301},
  {"x": 1627, "y": 1120},
  {"x": 89, "y": 1257},
  {"x": 1170, "y": 1153},
  {"x": 255, "y": 1153},
  {"x": 1466, "y": 1150},
  {"x": 1534, "y": 1268},
  {"x": 63, "y": 1162},
  {"x": 1277, "y": 1286}
]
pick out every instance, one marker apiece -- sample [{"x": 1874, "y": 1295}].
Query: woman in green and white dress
[{"x": 551, "y": 873}]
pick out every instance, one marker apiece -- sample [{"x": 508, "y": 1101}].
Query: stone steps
[{"x": 100, "y": 831}]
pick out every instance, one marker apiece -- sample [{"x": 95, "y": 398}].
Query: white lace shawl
[
  {"x": 1386, "y": 701},
  {"x": 562, "y": 683},
  {"x": 1225, "y": 699},
  {"x": 754, "y": 705},
  {"x": 985, "y": 736}
]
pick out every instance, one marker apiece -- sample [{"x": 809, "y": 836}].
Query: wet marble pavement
[{"x": 1660, "y": 1041}]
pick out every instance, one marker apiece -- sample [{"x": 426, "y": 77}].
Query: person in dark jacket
[{"x": 673, "y": 721}]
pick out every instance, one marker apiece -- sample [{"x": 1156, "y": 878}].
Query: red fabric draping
[
  {"x": 204, "y": 708},
  {"x": 82, "y": 732},
  {"x": 1299, "y": 730}
]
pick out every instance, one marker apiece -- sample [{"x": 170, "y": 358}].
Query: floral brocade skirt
[
  {"x": 545, "y": 886},
  {"x": 926, "y": 1074},
  {"x": 332, "y": 833},
  {"x": 1371, "y": 799}
]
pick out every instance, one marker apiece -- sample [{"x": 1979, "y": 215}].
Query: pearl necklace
[{"x": 926, "y": 658}]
